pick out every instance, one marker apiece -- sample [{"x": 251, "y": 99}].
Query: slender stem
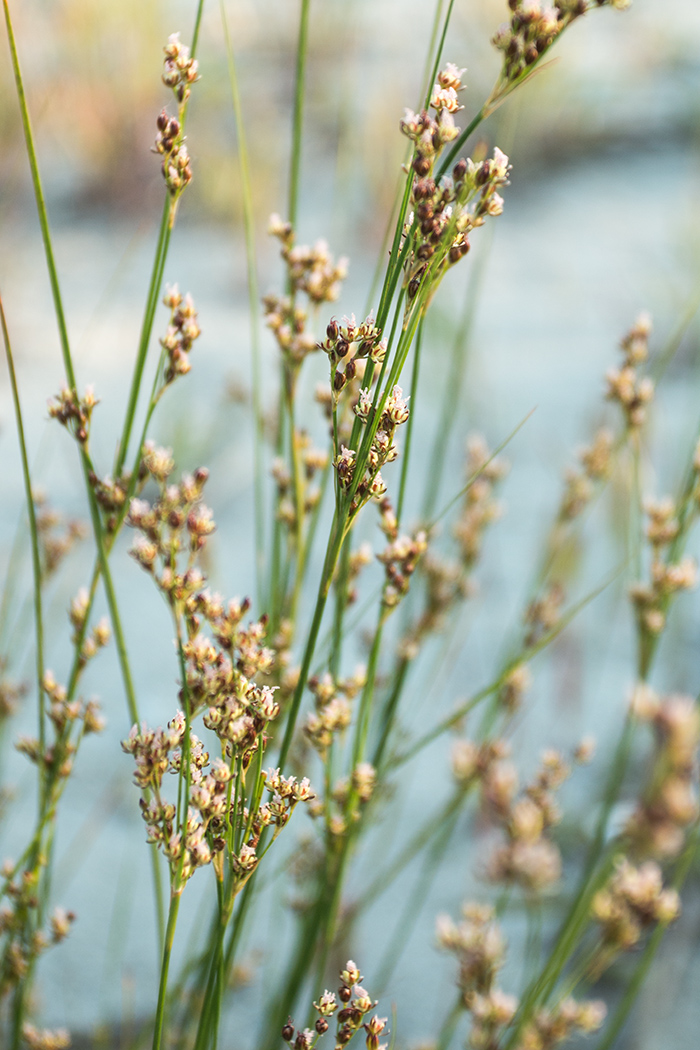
[
  {"x": 36, "y": 557},
  {"x": 165, "y": 966},
  {"x": 335, "y": 542},
  {"x": 439, "y": 49},
  {"x": 41, "y": 203},
  {"x": 295, "y": 161},
  {"x": 145, "y": 337},
  {"x": 409, "y": 425},
  {"x": 447, "y": 414},
  {"x": 254, "y": 307}
]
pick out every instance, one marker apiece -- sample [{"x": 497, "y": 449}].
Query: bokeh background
[{"x": 601, "y": 221}]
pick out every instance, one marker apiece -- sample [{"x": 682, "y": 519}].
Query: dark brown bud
[
  {"x": 345, "y": 994},
  {"x": 162, "y": 120},
  {"x": 421, "y": 166},
  {"x": 288, "y": 1031},
  {"x": 344, "y": 1035},
  {"x": 483, "y": 173},
  {"x": 350, "y": 370},
  {"x": 423, "y": 189},
  {"x": 531, "y": 54},
  {"x": 339, "y": 381},
  {"x": 425, "y": 251},
  {"x": 459, "y": 170},
  {"x": 413, "y": 286},
  {"x": 342, "y": 347},
  {"x": 351, "y": 1015},
  {"x": 332, "y": 330},
  {"x": 321, "y": 1025}
]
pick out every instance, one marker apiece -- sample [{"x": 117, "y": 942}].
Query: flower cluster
[
  {"x": 480, "y": 947},
  {"x": 542, "y": 614},
  {"x": 515, "y": 684},
  {"x": 659, "y": 823},
  {"x": 181, "y": 334},
  {"x": 71, "y": 718},
  {"x": 74, "y": 412},
  {"x": 352, "y": 344},
  {"x": 311, "y": 270},
  {"x": 667, "y": 576},
  {"x": 179, "y": 72},
  {"x": 450, "y": 581},
  {"x": 480, "y": 508},
  {"x": 177, "y": 521},
  {"x": 45, "y": 1038},
  {"x": 631, "y": 391},
  {"x": 333, "y": 712},
  {"x": 533, "y": 28},
  {"x": 400, "y": 558},
  {"x": 382, "y": 449},
  {"x": 529, "y": 858},
  {"x": 595, "y": 466},
  {"x": 447, "y": 208},
  {"x": 22, "y": 941},
  {"x": 554, "y": 1025},
  {"x": 100, "y": 634},
  {"x": 157, "y": 752},
  {"x": 11, "y": 693},
  {"x": 430, "y": 134},
  {"x": 350, "y": 1006},
  {"x": 57, "y": 537},
  {"x": 180, "y": 69},
  {"x": 170, "y": 143},
  {"x": 632, "y": 901}
]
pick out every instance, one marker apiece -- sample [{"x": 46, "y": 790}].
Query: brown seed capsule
[
  {"x": 321, "y": 1025},
  {"x": 424, "y": 189},
  {"x": 483, "y": 173},
  {"x": 459, "y": 170},
  {"x": 288, "y": 1031},
  {"x": 421, "y": 166},
  {"x": 344, "y": 994}
]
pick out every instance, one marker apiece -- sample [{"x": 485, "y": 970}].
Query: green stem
[
  {"x": 409, "y": 425},
  {"x": 36, "y": 557},
  {"x": 335, "y": 542},
  {"x": 295, "y": 161},
  {"x": 254, "y": 306},
  {"x": 165, "y": 966}
]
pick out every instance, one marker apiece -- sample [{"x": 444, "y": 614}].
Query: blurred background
[{"x": 601, "y": 221}]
